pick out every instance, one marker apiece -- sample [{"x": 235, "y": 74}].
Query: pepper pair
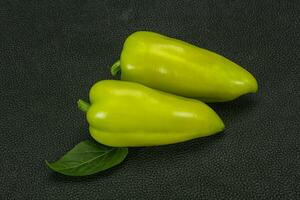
[{"x": 156, "y": 104}]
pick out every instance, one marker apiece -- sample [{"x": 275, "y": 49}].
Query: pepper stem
[
  {"x": 82, "y": 105},
  {"x": 115, "y": 68}
]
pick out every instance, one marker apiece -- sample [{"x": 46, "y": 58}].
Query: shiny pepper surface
[
  {"x": 125, "y": 114},
  {"x": 180, "y": 68}
]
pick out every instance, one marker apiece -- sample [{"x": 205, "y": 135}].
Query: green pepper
[
  {"x": 180, "y": 68},
  {"x": 125, "y": 114}
]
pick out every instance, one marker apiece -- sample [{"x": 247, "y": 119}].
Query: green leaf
[{"x": 88, "y": 158}]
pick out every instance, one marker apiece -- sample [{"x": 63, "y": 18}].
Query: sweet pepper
[
  {"x": 126, "y": 114},
  {"x": 180, "y": 68}
]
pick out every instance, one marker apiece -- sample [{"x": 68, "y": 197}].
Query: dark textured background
[{"x": 53, "y": 51}]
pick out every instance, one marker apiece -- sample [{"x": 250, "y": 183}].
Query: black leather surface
[{"x": 53, "y": 51}]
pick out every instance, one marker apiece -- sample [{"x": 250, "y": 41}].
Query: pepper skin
[
  {"x": 180, "y": 68},
  {"x": 127, "y": 114}
]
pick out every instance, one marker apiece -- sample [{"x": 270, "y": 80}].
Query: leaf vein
[{"x": 75, "y": 166}]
